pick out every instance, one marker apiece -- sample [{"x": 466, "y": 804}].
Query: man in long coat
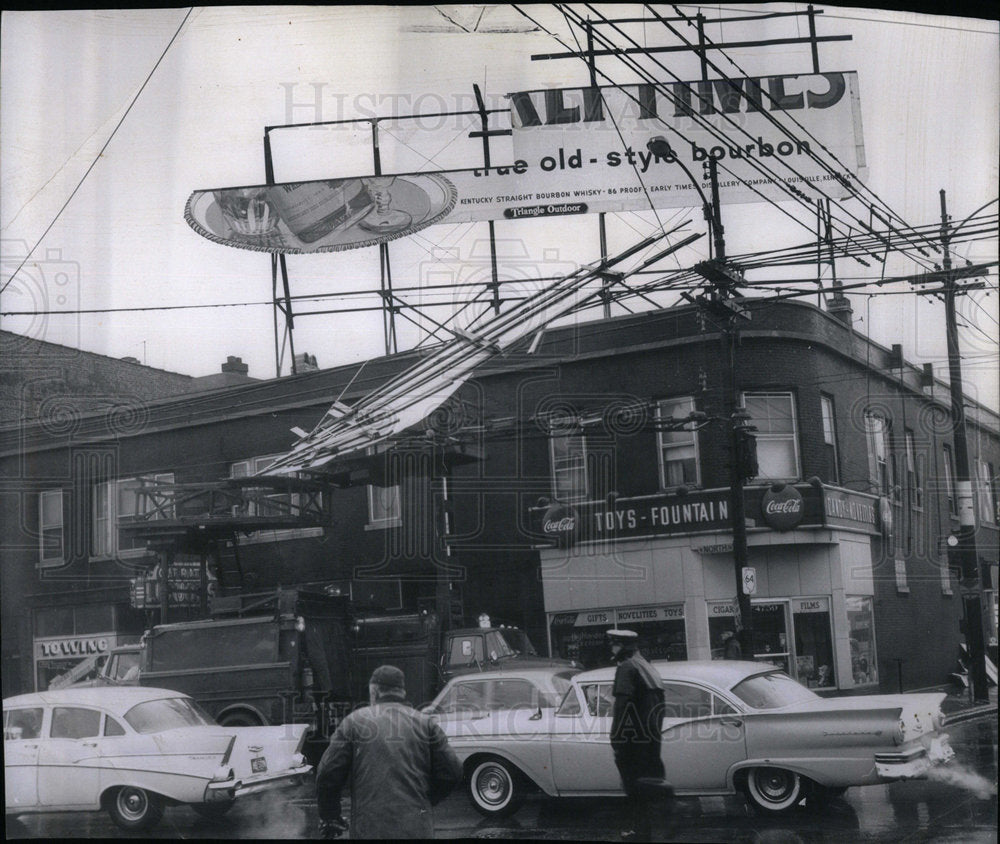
[
  {"x": 398, "y": 763},
  {"x": 636, "y": 731}
]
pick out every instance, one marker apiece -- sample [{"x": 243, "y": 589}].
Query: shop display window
[
  {"x": 581, "y": 635},
  {"x": 813, "y": 643},
  {"x": 770, "y": 635},
  {"x": 721, "y": 626},
  {"x": 861, "y": 618}
]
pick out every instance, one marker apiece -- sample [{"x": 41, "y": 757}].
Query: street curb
[{"x": 969, "y": 714}]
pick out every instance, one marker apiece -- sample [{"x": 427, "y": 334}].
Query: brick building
[{"x": 581, "y": 511}]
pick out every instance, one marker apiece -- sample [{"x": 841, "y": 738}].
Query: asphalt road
[{"x": 958, "y": 806}]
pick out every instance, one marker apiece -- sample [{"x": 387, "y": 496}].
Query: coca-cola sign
[
  {"x": 560, "y": 522},
  {"x": 782, "y": 507}
]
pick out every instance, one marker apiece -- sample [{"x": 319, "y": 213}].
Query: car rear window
[
  {"x": 153, "y": 716},
  {"x": 775, "y": 690}
]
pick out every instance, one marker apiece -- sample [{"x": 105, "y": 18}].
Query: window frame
[
  {"x": 679, "y": 402},
  {"x": 949, "y": 479},
  {"x": 984, "y": 493},
  {"x": 915, "y": 490},
  {"x": 252, "y": 465},
  {"x": 881, "y": 460},
  {"x": 380, "y": 516},
  {"x": 44, "y": 527},
  {"x": 106, "y": 536},
  {"x": 581, "y": 469},
  {"x": 828, "y": 417},
  {"x": 767, "y": 437}
]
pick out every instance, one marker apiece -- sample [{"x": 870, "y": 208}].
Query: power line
[{"x": 101, "y": 153}]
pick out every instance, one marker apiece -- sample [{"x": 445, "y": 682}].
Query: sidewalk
[{"x": 958, "y": 707}]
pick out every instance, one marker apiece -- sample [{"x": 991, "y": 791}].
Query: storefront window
[
  {"x": 861, "y": 619},
  {"x": 813, "y": 642},
  {"x": 582, "y": 635},
  {"x": 721, "y": 625}
]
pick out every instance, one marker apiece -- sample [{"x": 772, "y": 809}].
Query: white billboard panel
[{"x": 590, "y": 144}]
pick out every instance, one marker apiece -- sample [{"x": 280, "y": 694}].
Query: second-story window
[
  {"x": 50, "y": 527},
  {"x": 121, "y": 501},
  {"x": 879, "y": 466},
  {"x": 987, "y": 506},
  {"x": 830, "y": 437},
  {"x": 913, "y": 481},
  {"x": 569, "y": 467},
  {"x": 384, "y": 505},
  {"x": 773, "y": 415},
  {"x": 678, "y": 448},
  {"x": 949, "y": 479}
]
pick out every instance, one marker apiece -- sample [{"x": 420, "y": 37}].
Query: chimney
[
  {"x": 305, "y": 363},
  {"x": 840, "y": 307},
  {"x": 235, "y": 365}
]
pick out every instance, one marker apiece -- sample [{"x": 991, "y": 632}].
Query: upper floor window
[
  {"x": 569, "y": 467},
  {"x": 264, "y": 501},
  {"x": 678, "y": 450},
  {"x": 384, "y": 505},
  {"x": 118, "y": 502},
  {"x": 879, "y": 466},
  {"x": 50, "y": 527},
  {"x": 830, "y": 437},
  {"x": 987, "y": 506},
  {"x": 949, "y": 479},
  {"x": 914, "y": 485},
  {"x": 773, "y": 415}
]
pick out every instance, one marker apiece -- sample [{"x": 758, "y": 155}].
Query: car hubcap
[
  {"x": 774, "y": 784},
  {"x": 132, "y": 803},
  {"x": 494, "y": 786}
]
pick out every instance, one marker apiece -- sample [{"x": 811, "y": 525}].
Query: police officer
[{"x": 636, "y": 727}]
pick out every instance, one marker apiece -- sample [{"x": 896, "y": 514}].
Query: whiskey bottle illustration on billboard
[
  {"x": 384, "y": 218},
  {"x": 312, "y": 210}
]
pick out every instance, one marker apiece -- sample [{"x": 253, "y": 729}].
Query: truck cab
[{"x": 472, "y": 649}]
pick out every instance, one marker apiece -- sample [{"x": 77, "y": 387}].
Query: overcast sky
[{"x": 86, "y": 91}]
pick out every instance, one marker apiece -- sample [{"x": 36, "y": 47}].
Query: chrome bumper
[
  {"x": 916, "y": 762},
  {"x": 231, "y": 789}
]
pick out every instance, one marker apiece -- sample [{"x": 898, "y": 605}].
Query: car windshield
[
  {"x": 774, "y": 690},
  {"x": 154, "y": 716}
]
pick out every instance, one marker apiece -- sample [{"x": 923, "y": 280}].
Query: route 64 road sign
[{"x": 749, "y": 580}]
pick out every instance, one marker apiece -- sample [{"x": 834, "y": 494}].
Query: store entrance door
[{"x": 770, "y": 634}]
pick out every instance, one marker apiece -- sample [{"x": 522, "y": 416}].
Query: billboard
[
  {"x": 576, "y": 151},
  {"x": 592, "y": 142}
]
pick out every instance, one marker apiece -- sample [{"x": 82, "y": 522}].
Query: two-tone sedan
[
  {"x": 729, "y": 726},
  {"x": 133, "y": 751}
]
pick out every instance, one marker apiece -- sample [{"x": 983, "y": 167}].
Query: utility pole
[
  {"x": 966, "y": 536},
  {"x": 721, "y": 302}
]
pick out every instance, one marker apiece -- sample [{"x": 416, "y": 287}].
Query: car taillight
[
  {"x": 298, "y": 760},
  {"x": 900, "y": 732},
  {"x": 222, "y": 774}
]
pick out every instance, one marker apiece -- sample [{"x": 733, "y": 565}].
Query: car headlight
[{"x": 222, "y": 774}]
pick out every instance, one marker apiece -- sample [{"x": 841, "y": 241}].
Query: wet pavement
[{"x": 957, "y": 805}]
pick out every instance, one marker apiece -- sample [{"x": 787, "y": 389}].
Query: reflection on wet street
[{"x": 959, "y": 805}]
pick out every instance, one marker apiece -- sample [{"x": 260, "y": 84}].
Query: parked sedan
[
  {"x": 134, "y": 751},
  {"x": 729, "y": 726},
  {"x": 477, "y": 695}
]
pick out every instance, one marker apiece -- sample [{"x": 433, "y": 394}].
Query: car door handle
[
  {"x": 731, "y": 722},
  {"x": 89, "y": 743}
]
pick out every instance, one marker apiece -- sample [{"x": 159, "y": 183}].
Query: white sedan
[
  {"x": 729, "y": 726},
  {"x": 134, "y": 751}
]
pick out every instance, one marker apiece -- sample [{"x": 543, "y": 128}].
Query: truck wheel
[
  {"x": 135, "y": 809},
  {"x": 496, "y": 788},
  {"x": 774, "y": 790},
  {"x": 240, "y": 718}
]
